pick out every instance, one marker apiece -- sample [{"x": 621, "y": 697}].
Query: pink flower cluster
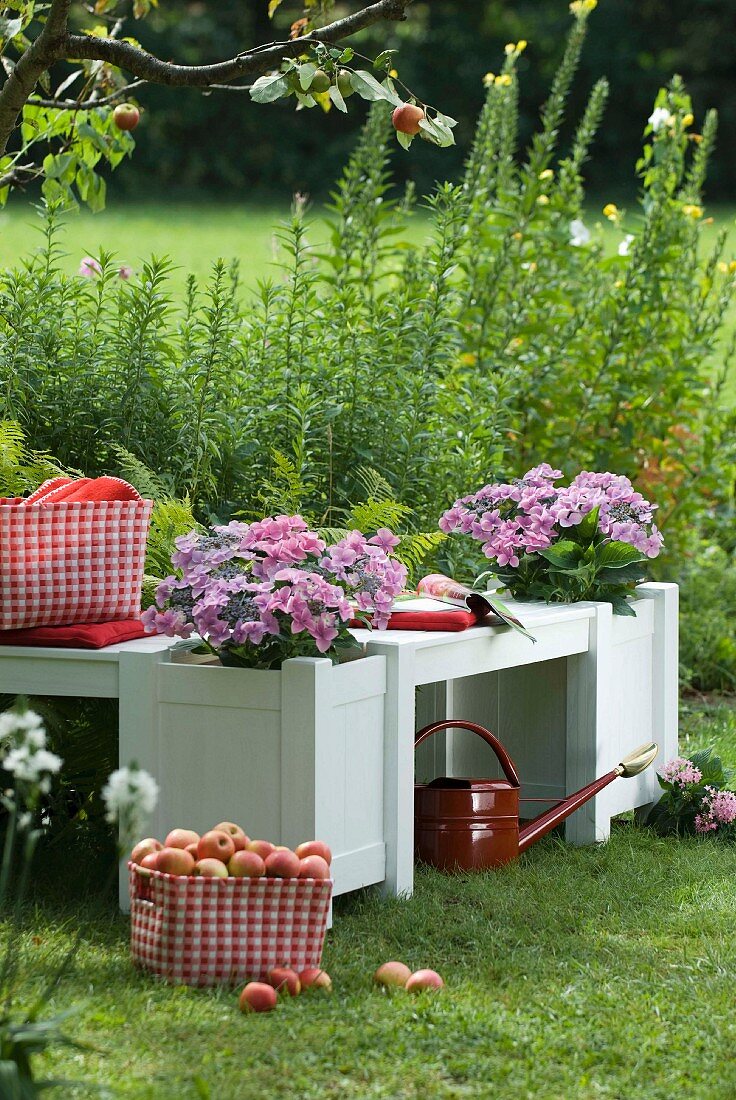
[
  {"x": 529, "y": 513},
  {"x": 718, "y": 808},
  {"x": 243, "y": 583},
  {"x": 681, "y": 771}
]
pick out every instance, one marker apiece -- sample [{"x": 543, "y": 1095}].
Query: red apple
[
  {"x": 314, "y": 978},
  {"x": 216, "y": 845},
  {"x": 181, "y": 838},
  {"x": 406, "y": 118},
  {"x": 126, "y": 116},
  {"x": 192, "y": 849},
  {"x": 285, "y": 980},
  {"x": 144, "y": 847},
  {"x": 392, "y": 974},
  {"x": 148, "y": 863},
  {"x": 210, "y": 868},
  {"x": 314, "y": 867},
  {"x": 246, "y": 864},
  {"x": 283, "y": 865},
  {"x": 262, "y": 847},
  {"x": 314, "y": 848},
  {"x": 175, "y": 861},
  {"x": 258, "y": 997},
  {"x": 424, "y": 979},
  {"x": 237, "y": 835}
]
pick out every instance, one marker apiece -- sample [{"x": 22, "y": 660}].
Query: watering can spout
[{"x": 631, "y": 765}]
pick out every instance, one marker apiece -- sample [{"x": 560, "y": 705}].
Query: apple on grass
[
  {"x": 216, "y": 845},
  {"x": 175, "y": 861},
  {"x": 144, "y": 848},
  {"x": 181, "y": 838},
  {"x": 285, "y": 980},
  {"x": 258, "y": 997},
  {"x": 210, "y": 868},
  {"x": 283, "y": 864},
  {"x": 314, "y": 867},
  {"x": 314, "y": 978},
  {"x": 314, "y": 848},
  {"x": 406, "y": 118},
  {"x": 424, "y": 979},
  {"x": 392, "y": 974},
  {"x": 245, "y": 864},
  {"x": 239, "y": 839}
]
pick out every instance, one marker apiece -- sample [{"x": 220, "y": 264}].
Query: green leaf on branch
[
  {"x": 336, "y": 97},
  {"x": 403, "y": 139},
  {"x": 9, "y": 28},
  {"x": 368, "y": 88},
  {"x": 306, "y": 75},
  {"x": 437, "y": 132},
  {"x": 267, "y": 89}
]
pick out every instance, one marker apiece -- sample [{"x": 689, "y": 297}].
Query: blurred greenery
[{"x": 233, "y": 149}]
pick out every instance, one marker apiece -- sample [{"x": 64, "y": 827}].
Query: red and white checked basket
[
  {"x": 212, "y": 931},
  {"x": 72, "y": 562}
]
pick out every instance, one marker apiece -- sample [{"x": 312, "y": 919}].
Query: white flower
[
  {"x": 625, "y": 245},
  {"x": 660, "y": 117},
  {"x": 130, "y": 795},
  {"x": 32, "y": 767},
  {"x": 579, "y": 233},
  {"x": 11, "y": 722}
]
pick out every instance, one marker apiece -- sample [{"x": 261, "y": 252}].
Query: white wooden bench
[{"x": 328, "y": 751}]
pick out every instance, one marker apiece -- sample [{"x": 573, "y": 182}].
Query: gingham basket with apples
[{"x": 211, "y": 927}]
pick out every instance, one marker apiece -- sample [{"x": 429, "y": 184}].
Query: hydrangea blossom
[
  {"x": 248, "y": 584},
  {"x": 528, "y": 514}
]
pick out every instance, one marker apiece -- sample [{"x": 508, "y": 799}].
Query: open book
[{"x": 439, "y": 593}]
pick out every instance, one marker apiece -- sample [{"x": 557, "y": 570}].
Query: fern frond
[
  {"x": 22, "y": 469},
  {"x": 372, "y": 514},
  {"x": 170, "y": 519},
  {"x": 146, "y": 481},
  {"x": 373, "y": 484}
]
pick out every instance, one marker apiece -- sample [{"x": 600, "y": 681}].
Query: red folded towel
[
  {"x": 81, "y": 636},
  {"x": 81, "y": 488},
  {"x": 430, "y": 620}
]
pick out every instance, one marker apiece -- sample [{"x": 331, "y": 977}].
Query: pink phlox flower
[
  {"x": 723, "y": 806},
  {"x": 125, "y": 271},
  {"x": 90, "y": 268},
  {"x": 704, "y": 823},
  {"x": 681, "y": 771}
]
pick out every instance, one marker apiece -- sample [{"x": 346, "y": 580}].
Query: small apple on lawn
[
  {"x": 314, "y": 978},
  {"x": 258, "y": 997},
  {"x": 424, "y": 979},
  {"x": 392, "y": 974},
  {"x": 406, "y": 118},
  {"x": 285, "y": 980},
  {"x": 126, "y": 116}
]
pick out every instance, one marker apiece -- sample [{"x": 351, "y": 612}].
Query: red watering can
[{"x": 471, "y": 824}]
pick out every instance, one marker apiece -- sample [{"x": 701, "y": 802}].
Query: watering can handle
[{"x": 457, "y": 723}]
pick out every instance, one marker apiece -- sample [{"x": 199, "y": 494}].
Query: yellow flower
[
  {"x": 723, "y": 267},
  {"x": 489, "y": 78},
  {"x": 688, "y": 119},
  {"x": 531, "y": 266},
  {"x": 581, "y": 7},
  {"x": 503, "y": 80},
  {"x": 521, "y": 45},
  {"x": 543, "y": 200},
  {"x": 618, "y": 284},
  {"x": 732, "y": 267},
  {"x": 611, "y": 211},
  {"x": 510, "y": 47},
  {"x": 697, "y": 138},
  {"x": 468, "y": 358},
  {"x": 692, "y": 210},
  {"x": 393, "y": 73},
  {"x": 516, "y": 342},
  {"x": 517, "y": 235},
  {"x": 547, "y": 174}
]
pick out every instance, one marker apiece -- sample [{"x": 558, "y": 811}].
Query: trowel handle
[{"x": 504, "y": 759}]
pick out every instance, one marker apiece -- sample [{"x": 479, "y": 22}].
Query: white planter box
[{"x": 290, "y": 755}]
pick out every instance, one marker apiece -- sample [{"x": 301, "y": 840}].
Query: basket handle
[{"x": 504, "y": 759}]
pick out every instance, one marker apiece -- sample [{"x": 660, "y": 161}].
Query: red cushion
[
  {"x": 80, "y": 636},
  {"x": 429, "y": 620}
]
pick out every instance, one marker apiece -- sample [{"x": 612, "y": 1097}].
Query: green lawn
[{"x": 574, "y": 974}]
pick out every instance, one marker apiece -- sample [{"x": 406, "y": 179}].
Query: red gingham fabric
[
  {"x": 211, "y": 931},
  {"x": 68, "y": 562}
]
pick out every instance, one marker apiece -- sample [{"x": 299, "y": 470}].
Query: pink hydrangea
[{"x": 245, "y": 584}]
